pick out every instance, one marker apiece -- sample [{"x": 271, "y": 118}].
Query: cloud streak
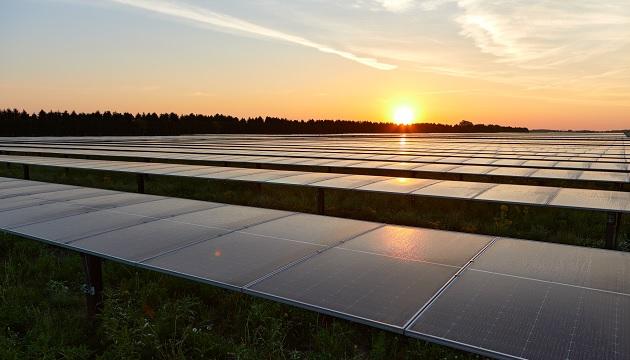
[{"x": 225, "y": 22}]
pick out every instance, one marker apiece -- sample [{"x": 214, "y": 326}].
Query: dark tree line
[{"x": 55, "y": 123}]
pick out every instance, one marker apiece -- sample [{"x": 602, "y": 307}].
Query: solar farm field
[{"x": 348, "y": 246}]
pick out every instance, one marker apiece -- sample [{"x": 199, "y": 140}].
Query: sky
[{"x": 539, "y": 63}]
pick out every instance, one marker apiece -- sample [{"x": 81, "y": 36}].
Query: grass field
[{"x": 150, "y": 315}]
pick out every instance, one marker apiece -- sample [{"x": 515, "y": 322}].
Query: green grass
[{"x": 148, "y": 315}]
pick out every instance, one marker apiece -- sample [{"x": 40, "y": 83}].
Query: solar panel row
[
  {"x": 600, "y": 200},
  {"x": 496, "y": 296},
  {"x": 380, "y": 168},
  {"x": 577, "y": 161}
]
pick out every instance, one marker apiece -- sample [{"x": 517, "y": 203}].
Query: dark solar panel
[
  {"x": 167, "y": 207},
  {"x": 79, "y": 226},
  {"x": 595, "y": 268},
  {"x": 38, "y": 213},
  {"x": 322, "y": 230},
  {"x": 442, "y": 247},
  {"x": 234, "y": 259},
  {"x": 139, "y": 242},
  {"x": 230, "y": 217},
  {"x": 381, "y": 290},
  {"x": 529, "y": 319}
]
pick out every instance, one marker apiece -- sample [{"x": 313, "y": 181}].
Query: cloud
[
  {"x": 225, "y": 22},
  {"x": 542, "y": 33},
  {"x": 395, "y": 5}
]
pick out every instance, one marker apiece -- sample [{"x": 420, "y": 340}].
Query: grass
[{"x": 150, "y": 315}]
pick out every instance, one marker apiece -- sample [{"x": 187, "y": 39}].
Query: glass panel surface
[
  {"x": 30, "y": 215},
  {"x": 348, "y": 182},
  {"x": 605, "y": 176},
  {"x": 574, "y": 265},
  {"x": 306, "y": 178},
  {"x": 455, "y": 189},
  {"x": 472, "y": 169},
  {"x": 321, "y": 230},
  {"x": 115, "y": 200},
  {"x": 360, "y": 285},
  {"x": 529, "y": 319},
  {"x": 265, "y": 176},
  {"x": 20, "y": 202},
  {"x": 140, "y": 242},
  {"x": 593, "y": 199},
  {"x": 398, "y": 185},
  {"x": 230, "y": 217},
  {"x": 6, "y": 185},
  {"x": 235, "y": 259},
  {"x": 556, "y": 174},
  {"x": 435, "y": 167},
  {"x": 512, "y": 171},
  {"x": 521, "y": 194},
  {"x": 166, "y": 207},
  {"x": 433, "y": 246},
  {"x": 38, "y": 188},
  {"x": 235, "y": 172},
  {"x": 80, "y": 226}
]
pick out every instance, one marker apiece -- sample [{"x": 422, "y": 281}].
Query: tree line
[{"x": 55, "y": 123}]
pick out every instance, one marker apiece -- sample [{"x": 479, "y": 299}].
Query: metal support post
[
  {"x": 141, "y": 178},
  {"x": 93, "y": 284},
  {"x": 321, "y": 205},
  {"x": 612, "y": 228},
  {"x": 27, "y": 173}
]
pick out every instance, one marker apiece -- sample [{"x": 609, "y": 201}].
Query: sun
[{"x": 404, "y": 115}]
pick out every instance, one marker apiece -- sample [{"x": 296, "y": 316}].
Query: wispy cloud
[
  {"x": 226, "y": 22},
  {"x": 545, "y": 34},
  {"x": 395, "y": 5}
]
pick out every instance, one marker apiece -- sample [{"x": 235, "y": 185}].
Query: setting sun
[{"x": 404, "y": 115}]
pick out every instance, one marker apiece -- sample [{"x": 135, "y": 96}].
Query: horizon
[{"x": 427, "y": 61}]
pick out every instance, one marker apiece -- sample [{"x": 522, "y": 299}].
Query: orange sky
[{"x": 565, "y": 68}]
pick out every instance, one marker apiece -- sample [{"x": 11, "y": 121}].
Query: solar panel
[
  {"x": 79, "y": 226},
  {"x": 574, "y": 265},
  {"x": 21, "y": 202},
  {"x": 306, "y": 178},
  {"x": 521, "y": 194},
  {"x": 604, "y": 176},
  {"x": 556, "y": 174},
  {"x": 472, "y": 169},
  {"x": 455, "y": 189},
  {"x": 348, "y": 182},
  {"x": 512, "y": 171},
  {"x": 168, "y": 207},
  {"x": 137, "y": 243},
  {"x": 72, "y": 194},
  {"x": 114, "y": 200},
  {"x": 32, "y": 190},
  {"x": 593, "y": 199},
  {"x": 370, "y": 288},
  {"x": 235, "y": 172},
  {"x": 230, "y": 217},
  {"x": 525, "y": 318},
  {"x": 38, "y": 213},
  {"x": 398, "y": 185},
  {"x": 381, "y": 277},
  {"x": 234, "y": 259},
  {"x": 203, "y": 170},
  {"x": 265, "y": 175},
  {"x": 435, "y": 246},
  {"x": 17, "y": 184},
  {"x": 321, "y": 230}
]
